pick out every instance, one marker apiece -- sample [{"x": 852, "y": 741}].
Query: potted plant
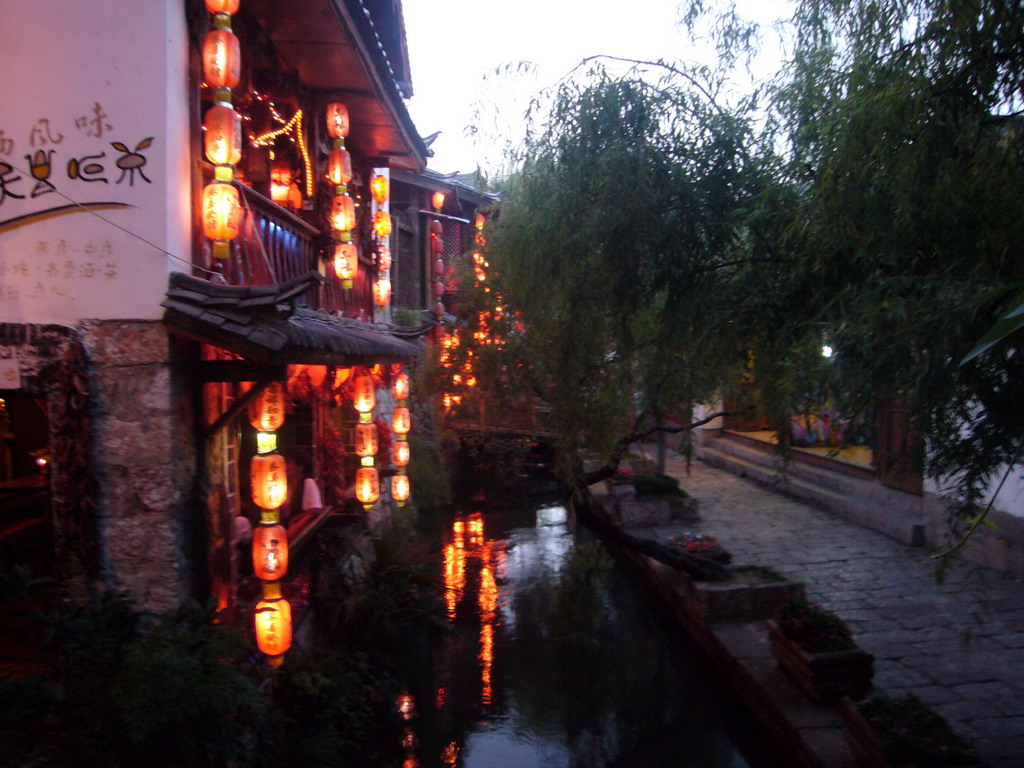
[
  {"x": 885, "y": 733},
  {"x": 815, "y": 648},
  {"x": 702, "y": 544}
]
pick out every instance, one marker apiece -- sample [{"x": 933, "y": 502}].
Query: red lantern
[
  {"x": 367, "y": 485},
  {"x": 382, "y": 291},
  {"x": 400, "y": 453},
  {"x": 222, "y": 59},
  {"x": 436, "y": 228},
  {"x": 337, "y": 120},
  {"x": 384, "y": 258},
  {"x": 273, "y": 618},
  {"x": 266, "y": 410},
  {"x": 438, "y": 289},
  {"x": 380, "y": 187},
  {"x": 222, "y": 6},
  {"x": 479, "y": 221},
  {"x": 269, "y": 480},
  {"x": 437, "y": 246},
  {"x": 439, "y": 309},
  {"x": 401, "y": 422},
  {"x": 269, "y": 551},
  {"x": 222, "y": 216},
  {"x": 339, "y": 167},
  {"x": 366, "y": 439},
  {"x": 400, "y": 488},
  {"x": 438, "y": 200},
  {"x": 438, "y": 268},
  {"x": 223, "y": 137},
  {"x": 400, "y": 387},
  {"x": 382, "y": 223},
  {"x": 343, "y": 213},
  {"x": 364, "y": 394},
  {"x": 346, "y": 262}
]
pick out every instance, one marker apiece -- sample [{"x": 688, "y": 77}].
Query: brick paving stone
[{"x": 924, "y": 633}]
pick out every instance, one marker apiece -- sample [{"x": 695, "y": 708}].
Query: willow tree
[
  {"x": 618, "y": 241},
  {"x": 903, "y": 220}
]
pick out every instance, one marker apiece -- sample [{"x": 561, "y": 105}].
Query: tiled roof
[{"x": 265, "y": 324}]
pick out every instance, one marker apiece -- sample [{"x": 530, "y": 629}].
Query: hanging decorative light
[
  {"x": 222, "y": 6},
  {"x": 380, "y": 187},
  {"x": 337, "y": 120},
  {"x": 346, "y": 263},
  {"x": 266, "y": 410},
  {"x": 364, "y": 394},
  {"x": 222, "y": 55},
  {"x": 269, "y": 480},
  {"x": 270, "y": 551},
  {"x": 382, "y": 291},
  {"x": 273, "y": 617},
  {"x": 367, "y": 486},
  {"x": 400, "y": 488},
  {"x": 401, "y": 422},
  {"x": 223, "y": 135},
  {"x": 339, "y": 167},
  {"x": 382, "y": 223},
  {"x": 366, "y": 439},
  {"x": 438, "y": 200},
  {"x": 222, "y": 216},
  {"x": 400, "y": 453},
  {"x": 384, "y": 258},
  {"x": 400, "y": 387},
  {"x": 343, "y": 212}
]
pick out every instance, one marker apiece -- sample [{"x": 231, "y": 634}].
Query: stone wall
[{"x": 144, "y": 462}]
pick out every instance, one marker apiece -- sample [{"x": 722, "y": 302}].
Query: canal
[{"x": 556, "y": 657}]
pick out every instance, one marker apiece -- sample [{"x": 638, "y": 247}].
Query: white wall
[{"x": 78, "y": 79}]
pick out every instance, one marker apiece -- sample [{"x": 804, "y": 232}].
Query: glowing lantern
[
  {"x": 438, "y": 200},
  {"x": 339, "y": 167},
  {"x": 346, "y": 263},
  {"x": 367, "y": 485},
  {"x": 266, "y": 442},
  {"x": 380, "y": 187},
  {"x": 382, "y": 291},
  {"x": 366, "y": 439},
  {"x": 400, "y": 453},
  {"x": 222, "y": 216},
  {"x": 222, "y": 6},
  {"x": 401, "y": 421},
  {"x": 384, "y": 258},
  {"x": 273, "y": 625},
  {"x": 223, "y": 138},
  {"x": 269, "y": 480},
  {"x": 400, "y": 488},
  {"x": 343, "y": 213},
  {"x": 400, "y": 387},
  {"x": 222, "y": 59},
  {"x": 266, "y": 410},
  {"x": 269, "y": 551},
  {"x": 337, "y": 120},
  {"x": 382, "y": 223},
  {"x": 364, "y": 395},
  {"x": 479, "y": 221}
]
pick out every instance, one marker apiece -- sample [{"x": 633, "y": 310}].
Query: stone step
[{"x": 866, "y": 503}]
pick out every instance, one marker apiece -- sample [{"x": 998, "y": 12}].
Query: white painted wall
[{"x": 79, "y": 78}]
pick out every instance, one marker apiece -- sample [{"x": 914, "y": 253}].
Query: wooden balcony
[{"x": 274, "y": 245}]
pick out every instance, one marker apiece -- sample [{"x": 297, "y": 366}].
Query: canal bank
[{"x": 958, "y": 645}]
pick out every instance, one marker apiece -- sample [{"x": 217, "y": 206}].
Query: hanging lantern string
[{"x": 115, "y": 225}]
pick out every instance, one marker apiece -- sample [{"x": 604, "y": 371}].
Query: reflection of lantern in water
[
  {"x": 269, "y": 551},
  {"x": 406, "y": 706}
]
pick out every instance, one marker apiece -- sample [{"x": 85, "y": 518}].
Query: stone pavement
[{"x": 957, "y": 645}]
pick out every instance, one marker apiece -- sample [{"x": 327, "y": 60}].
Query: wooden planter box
[
  {"x": 823, "y": 676},
  {"x": 867, "y": 749},
  {"x": 707, "y": 601}
]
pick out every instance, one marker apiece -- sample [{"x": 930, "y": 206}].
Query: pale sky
[{"x": 455, "y": 44}]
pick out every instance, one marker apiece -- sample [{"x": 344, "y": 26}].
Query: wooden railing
[{"x": 273, "y": 246}]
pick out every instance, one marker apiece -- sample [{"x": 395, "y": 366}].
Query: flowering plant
[
  {"x": 702, "y": 544},
  {"x": 813, "y": 628},
  {"x": 912, "y": 734}
]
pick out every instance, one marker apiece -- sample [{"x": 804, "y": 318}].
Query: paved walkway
[{"x": 957, "y": 645}]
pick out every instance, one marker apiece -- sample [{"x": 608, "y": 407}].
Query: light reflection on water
[{"x": 543, "y": 671}]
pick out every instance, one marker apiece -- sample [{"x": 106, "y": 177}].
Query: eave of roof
[{"x": 265, "y": 324}]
